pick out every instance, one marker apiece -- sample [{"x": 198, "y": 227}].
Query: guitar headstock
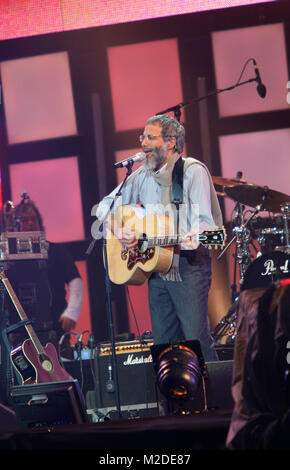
[{"x": 216, "y": 238}]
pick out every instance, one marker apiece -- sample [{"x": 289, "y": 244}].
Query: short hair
[{"x": 170, "y": 128}]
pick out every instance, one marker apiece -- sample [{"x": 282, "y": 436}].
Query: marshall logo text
[{"x": 131, "y": 360}]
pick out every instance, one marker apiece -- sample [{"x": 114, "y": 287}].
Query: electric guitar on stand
[
  {"x": 33, "y": 362},
  {"x": 155, "y": 249}
]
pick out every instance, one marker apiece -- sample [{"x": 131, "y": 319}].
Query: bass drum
[{"x": 266, "y": 269}]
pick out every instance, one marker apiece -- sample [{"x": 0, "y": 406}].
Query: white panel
[
  {"x": 38, "y": 98},
  {"x": 232, "y": 48},
  {"x": 263, "y": 158}
]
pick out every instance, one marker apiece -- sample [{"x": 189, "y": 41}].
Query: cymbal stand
[
  {"x": 242, "y": 238},
  {"x": 227, "y": 325},
  {"x": 285, "y": 209},
  {"x": 243, "y": 241}
]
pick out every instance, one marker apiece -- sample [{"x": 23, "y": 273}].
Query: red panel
[
  {"x": 136, "y": 93},
  {"x": 55, "y": 188},
  {"x": 80, "y": 14},
  {"x": 84, "y": 321},
  {"x": 29, "y": 17},
  {"x": 139, "y": 300}
]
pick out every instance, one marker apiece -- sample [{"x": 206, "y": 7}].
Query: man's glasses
[{"x": 149, "y": 137}]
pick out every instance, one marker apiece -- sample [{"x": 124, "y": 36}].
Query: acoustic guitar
[
  {"x": 33, "y": 362},
  {"x": 155, "y": 249}
]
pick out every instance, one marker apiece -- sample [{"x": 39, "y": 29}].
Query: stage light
[{"x": 179, "y": 369}]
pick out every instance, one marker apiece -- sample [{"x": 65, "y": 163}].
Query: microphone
[
  {"x": 261, "y": 89},
  {"x": 138, "y": 157}
]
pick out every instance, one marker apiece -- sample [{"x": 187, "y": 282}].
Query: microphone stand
[
  {"x": 176, "y": 109},
  {"x": 108, "y": 286}
]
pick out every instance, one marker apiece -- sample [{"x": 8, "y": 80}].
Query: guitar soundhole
[{"x": 136, "y": 256}]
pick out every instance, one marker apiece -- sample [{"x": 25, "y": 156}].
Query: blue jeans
[{"x": 179, "y": 310}]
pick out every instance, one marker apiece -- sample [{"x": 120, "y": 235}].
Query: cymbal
[
  {"x": 253, "y": 195},
  {"x": 227, "y": 181}
]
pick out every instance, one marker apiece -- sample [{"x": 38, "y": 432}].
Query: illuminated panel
[
  {"x": 139, "y": 300},
  {"x": 38, "y": 98},
  {"x": 84, "y": 321},
  {"x": 80, "y": 14},
  {"x": 21, "y": 18},
  {"x": 232, "y": 48},
  {"x": 263, "y": 157},
  {"x": 55, "y": 188},
  {"x": 29, "y": 17},
  {"x": 145, "y": 79}
]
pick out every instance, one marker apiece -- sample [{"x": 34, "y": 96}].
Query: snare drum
[{"x": 266, "y": 269}]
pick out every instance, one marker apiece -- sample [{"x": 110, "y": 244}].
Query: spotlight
[{"x": 179, "y": 369}]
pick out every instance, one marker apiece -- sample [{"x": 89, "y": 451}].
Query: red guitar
[{"x": 33, "y": 362}]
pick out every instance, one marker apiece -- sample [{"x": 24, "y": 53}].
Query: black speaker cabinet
[
  {"x": 136, "y": 376},
  {"x": 218, "y": 383},
  {"x": 49, "y": 404}
]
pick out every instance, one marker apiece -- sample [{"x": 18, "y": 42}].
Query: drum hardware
[
  {"x": 261, "y": 199},
  {"x": 285, "y": 209},
  {"x": 227, "y": 326},
  {"x": 242, "y": 238}
]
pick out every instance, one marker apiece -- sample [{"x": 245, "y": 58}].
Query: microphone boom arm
[{"x": 176, "y": 109}]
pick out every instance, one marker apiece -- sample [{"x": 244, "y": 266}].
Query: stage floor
[{"x": 203, "y": 431}]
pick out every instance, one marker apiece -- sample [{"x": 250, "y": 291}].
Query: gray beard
[{"x": 158, "y": 157}]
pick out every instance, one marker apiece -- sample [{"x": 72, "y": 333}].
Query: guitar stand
[{"x": 9, "y": 329}]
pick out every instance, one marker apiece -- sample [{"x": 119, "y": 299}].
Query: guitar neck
[
  {"x": 171, "y": 240},
  {"x": 207, "y": 238},
  {"x": 168, "y": 240},
  {"x": 22, "y": 314}
]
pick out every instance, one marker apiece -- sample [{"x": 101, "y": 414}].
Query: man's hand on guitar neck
[{"x": 190, "y": 241}]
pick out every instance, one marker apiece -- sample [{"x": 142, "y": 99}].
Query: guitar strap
[{"x": 177, "y": 187}]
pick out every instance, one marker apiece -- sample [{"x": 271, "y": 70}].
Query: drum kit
[{"x": 268, "y": 236}]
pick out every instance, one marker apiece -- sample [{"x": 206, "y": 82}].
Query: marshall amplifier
[{"x": 136, "y": 376}]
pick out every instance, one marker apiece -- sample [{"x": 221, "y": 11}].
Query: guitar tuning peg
[
  {"x": 209, "y": 247},
  {"x": 215, "y": 247}
]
